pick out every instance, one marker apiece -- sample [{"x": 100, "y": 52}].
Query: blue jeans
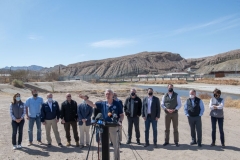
[
  {"x": 220, "y": 126},
  {"x": 147, "y": 127},
  {"x": 30, "y": 128}
]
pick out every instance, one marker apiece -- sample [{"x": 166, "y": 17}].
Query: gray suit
[
  {"x": 151, "y": 117},
  {"x": 155, "y": 108}
]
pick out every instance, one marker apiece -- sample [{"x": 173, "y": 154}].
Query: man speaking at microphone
[{"x": 108, "y": 108}]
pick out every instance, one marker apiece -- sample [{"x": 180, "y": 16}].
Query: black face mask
[
  {"x": 35, "y": 95},
  {"x": 133, "y": 94},
  {"x": 216, "y": 95},
  {"x": 150, "y": 93},
  {"x": 170, "y": 90}
]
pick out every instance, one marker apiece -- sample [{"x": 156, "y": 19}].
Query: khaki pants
[
  {"x": 84, "y": 129},
  {"x": 120, "y": 133},
  {"x": 52, "y": 123},
  {"x": 174, "y": 118},
  {"x": 114, "y": 133}
]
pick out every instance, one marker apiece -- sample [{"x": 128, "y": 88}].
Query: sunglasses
[{"x": 68, "y": 96}]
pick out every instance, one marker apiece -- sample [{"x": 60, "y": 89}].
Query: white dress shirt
[
  {"x": 149, "y": 104},
  {"x": 50, "y": 105}
]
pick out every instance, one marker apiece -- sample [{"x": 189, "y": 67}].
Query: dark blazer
[
  {"x": 47, "y": 114},
  {"x": 137, "y": 107},
  {"x": 84, "y": 112},
  {"x": 155, "y": 108}
]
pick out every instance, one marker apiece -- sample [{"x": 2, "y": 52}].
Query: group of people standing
[
  {"x": 150, "y": 109},
  {"x": 72, "y": 115}
]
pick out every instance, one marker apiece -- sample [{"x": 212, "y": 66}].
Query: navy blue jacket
[
  {"x": 84, "y": 112},
  {"x": 47, "y": 114}
]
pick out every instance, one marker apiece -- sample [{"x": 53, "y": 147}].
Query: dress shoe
[
  {"x": 166, "y": 143},
  {"x": 146, "y": 144},
  {"x": 213, "y": 144},
  {"x": 199, "y": 145},
  {"x": 155, "y": 145},
  {"x": 177, "y": 145},
  {"x": 128, "y": 142},
  {"x": 193, "y": 142}
]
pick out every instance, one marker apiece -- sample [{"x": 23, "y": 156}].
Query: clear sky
[{"x": 52, "y": 32}]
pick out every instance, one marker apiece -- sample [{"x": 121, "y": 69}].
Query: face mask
[
  {"x": 49, "y": 99},
  {"x": 84, "y": 102},
  {"x": 35, "y": 95},
  {"x": 133, "y": 94},
  {"x": 191, "y": 96},
  {"x": 216, "y": 95},
  {"x": 170, "y": 90},
  {"x": 18, "y": 98},
  {"x": 150, "y": 93}
]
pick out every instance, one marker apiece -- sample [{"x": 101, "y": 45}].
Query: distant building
[
  {"x": 178, "y": 74},
  {"x": 192, "y": 69},
  {"x": 223, "y": 73}
]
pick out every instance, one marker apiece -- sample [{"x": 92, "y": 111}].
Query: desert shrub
[
  {"x": 229, "y": 102},
  {"x": 203, "y": 95},
  {"x": 17, "y": 83},
  {"x": 219, "y": 81}
]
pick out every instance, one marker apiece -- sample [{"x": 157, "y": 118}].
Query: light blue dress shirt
[{"x": 201, "y": 107}]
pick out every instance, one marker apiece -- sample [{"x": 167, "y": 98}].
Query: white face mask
[
  {"x": 18, "y": 98},
  {"x": 50, "y": 100},
  {"x": 84, "y": 102},
  {"x": 191, "y": 96}
]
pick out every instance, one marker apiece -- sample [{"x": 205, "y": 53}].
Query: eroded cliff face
[
  {"x": 151, "y": 63},
  {"x": 141, "y": 63}
]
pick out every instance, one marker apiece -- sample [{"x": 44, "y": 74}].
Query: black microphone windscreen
[{"x": 99, "y": 116}]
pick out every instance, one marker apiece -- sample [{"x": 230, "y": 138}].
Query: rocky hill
[
  {"x": 141, "y": 63},
  {"x": 150, "y": 63}
]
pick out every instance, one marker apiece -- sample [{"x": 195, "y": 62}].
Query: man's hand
[
  {"x": 44, "y": 123},
  {"x": 82, "y": 97},
  {"x": 144, "y": 118},
  {"x": 57, "y": 120},
  {"x": 63, "y": 121},
  {"x": 83, "y": 120},
  {"x": 27, "y": 117},
  {"x": 17, "y": 120},
  {"x": 156, "y": 118},
  {"x": 215, "y": 107}
]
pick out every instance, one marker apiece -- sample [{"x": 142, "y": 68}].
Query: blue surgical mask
[
  {"x": 50, "y": 100},
  {"x": 18, "y": 98}
]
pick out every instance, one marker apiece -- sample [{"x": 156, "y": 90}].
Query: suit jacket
[
  {"x": 84, "y": 112},
  {"x": 155, "y": 108},
  {"x": 47, "y": 113}
]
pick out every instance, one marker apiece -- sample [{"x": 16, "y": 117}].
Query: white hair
[
  {"x": 109, "y": 90},
  {"x": 49, "y": 94}
]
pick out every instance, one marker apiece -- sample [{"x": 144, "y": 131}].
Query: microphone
[{"x": 99, "y": 117}]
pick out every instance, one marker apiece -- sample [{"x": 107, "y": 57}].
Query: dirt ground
[{"x": 128, "y": 152}]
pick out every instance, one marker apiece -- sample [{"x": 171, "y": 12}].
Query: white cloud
[
  {"x": 112, "y": 43},
  {"x": 34, "y": 37},
  {"x": 204, "y": 25}
]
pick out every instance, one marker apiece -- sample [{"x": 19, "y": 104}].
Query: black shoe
[
  {"x": 155, "y": 145},
  {"x": 138, "y": 142},
  {"x": 199, "y": 145},
  {"x": 146, "y": 144},
  {"x": 128, "y": 142},
  {"x": 120, "y": 143},
  {"x": 49, "y": 144},
  {"x": 223, "y": 145},
  {"x": 166, "y": 143},
  {"x": 213, "y": 144},
  {"x": 60, "y": 144},
  {"x": 111, "y": 144},
  {"x": 193, "y": 142},
  {"x": 177, "y": 145}
]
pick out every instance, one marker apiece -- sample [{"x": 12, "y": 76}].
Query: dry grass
[
  {"x": 204, "y": 96},
  {"x": 219, "y": 81},
  {"x": 229, "y": 102},
  {"x": 164, "y": 82}
]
